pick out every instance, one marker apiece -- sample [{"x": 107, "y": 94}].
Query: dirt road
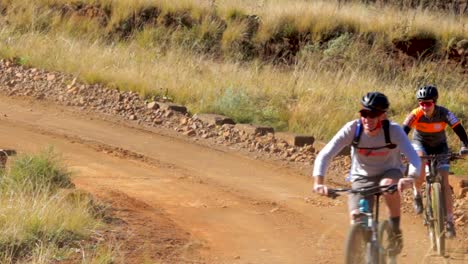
[{"x": 203, "y": 204}]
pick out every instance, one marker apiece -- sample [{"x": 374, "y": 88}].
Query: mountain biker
[
  {"x": 373, "y": 161},
  {"x": 430, "y": 121}
]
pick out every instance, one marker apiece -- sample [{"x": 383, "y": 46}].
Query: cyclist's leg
[
  {"x": 353, "y": 199},
  {"x": 393, "y": 202},
  {"x": 420, "y": 149},
  {"x": 448, "y": 194},
  {"x": 444, "y": 172},
  {"x": 444, "y": 168},
  {"x": 417, "y": 202}
]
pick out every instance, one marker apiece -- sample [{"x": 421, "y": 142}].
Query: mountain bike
[
  {"x": 4, "y": 154},
  {"x": 368, "y": 240},
  {"x": 435, "y": 211}
]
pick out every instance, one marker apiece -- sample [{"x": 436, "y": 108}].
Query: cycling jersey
[
  {"x": 430, "y": 131},
  {"x": 365, "y": 160}
]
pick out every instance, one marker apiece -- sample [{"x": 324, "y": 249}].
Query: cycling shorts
[
  {"x": 444, "y": 163},
  {"x": 369, "y": 181}
]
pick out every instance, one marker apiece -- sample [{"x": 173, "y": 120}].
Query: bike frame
[
  {"x": 373, "y": 246},
  {"x": 374, "y": 249}
]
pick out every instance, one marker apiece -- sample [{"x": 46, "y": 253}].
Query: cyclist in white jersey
[{"x": 376, "y": 158}]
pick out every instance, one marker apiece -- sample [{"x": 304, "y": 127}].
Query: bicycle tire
[
  {"x": 384, "y": 235},
  {"x": 438, "y": 211},
  {"x": 429, "y": 218},
  {"x": 8, "y": 152},
  {"x": 356, "y": 245}
]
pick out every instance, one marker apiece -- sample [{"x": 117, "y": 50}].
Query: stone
[
  {"x": 174, "y": 107},
  {"x": 463, "y": 192},
  {"x": 190, "y": 133},
  {"x": 254, "y": 129},
  {"x": 459, "y": 185},
  {"x": 152, "y": 105},
  {"x": 295, "y": 139},
  {"x": 214, "y": 119}
]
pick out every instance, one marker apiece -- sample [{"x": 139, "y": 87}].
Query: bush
[
  {"x": 247, "y": 108},
  {"x": 36, "y": 173},
  {"x": 39, "y": 222}
]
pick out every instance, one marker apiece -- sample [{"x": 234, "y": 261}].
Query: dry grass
[
  {"x": 40, "y": 223},
  {"x": 316, "y": 95},
  {"x": 311, "y": 97}
]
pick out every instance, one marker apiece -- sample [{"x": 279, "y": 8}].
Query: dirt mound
[{"x": 417, "y": 46}]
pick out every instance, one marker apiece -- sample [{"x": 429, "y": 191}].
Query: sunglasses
[
  {"x": 426, "y": 104},
  {"x": 370, "y": 114}
]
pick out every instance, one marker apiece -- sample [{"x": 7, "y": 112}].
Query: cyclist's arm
[
  {"x": 407, "y": 149},
  {"x": 461, "y": 133},
  {"x": 343, "y": 138},
  {"x": 409, "y": 122},
  {"x": 457, "y": 127},
  {"x": 406, "y": 128}
]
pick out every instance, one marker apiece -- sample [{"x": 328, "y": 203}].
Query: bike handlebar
[
  {"x": 450, "y": 156},
  {"x": 333, "y": 193}
]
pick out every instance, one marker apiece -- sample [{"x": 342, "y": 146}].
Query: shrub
[{"x": 36, "y": 173}]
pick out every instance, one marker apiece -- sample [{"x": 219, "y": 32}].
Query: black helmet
[
  {"x": 375, "y": 101},
  {"x": 427, "y": 92}
]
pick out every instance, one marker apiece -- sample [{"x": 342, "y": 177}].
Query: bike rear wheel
[
  {"x": 438, "y": 213},
  {"x": 4, "y": 154},
  {"x": 356, "y": 245}
]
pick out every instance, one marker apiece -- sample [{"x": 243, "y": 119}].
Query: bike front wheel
[
  {"x": 387, "y": 254},
  {"x": 356, "y": 245},
  {"x": 438, "y": 209}
]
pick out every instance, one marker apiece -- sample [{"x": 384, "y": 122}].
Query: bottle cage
[{"x": 386, "y": 129}]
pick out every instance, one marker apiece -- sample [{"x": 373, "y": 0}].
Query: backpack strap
[
  {"x": 357, "y": 134},
  {"x": 386, "y": 129}
]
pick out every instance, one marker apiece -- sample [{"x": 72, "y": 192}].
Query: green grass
[
  {"x": 40, "y": 221},
  {"x": 38, "y": 173}
]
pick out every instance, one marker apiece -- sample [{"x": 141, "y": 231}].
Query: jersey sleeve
[
  {"x": 343, "y": 138},
  {"x": 408, "y": 150},
  {"x": 451, "y": 119},
  {"x": 410, "y": 120}
]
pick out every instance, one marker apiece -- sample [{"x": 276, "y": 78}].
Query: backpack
[{"x": 386, "y": 128}]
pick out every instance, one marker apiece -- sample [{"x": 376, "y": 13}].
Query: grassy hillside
[{"x": 295, "y": 65}]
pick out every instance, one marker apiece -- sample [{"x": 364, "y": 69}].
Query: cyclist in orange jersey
[{"x": 429, "y": 122}]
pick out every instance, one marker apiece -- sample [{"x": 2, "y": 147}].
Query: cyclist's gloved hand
[
  {"x": 321, "y": 189},
  {"x": 464, "y": 151},
  {"x": 404, "y": 183}
]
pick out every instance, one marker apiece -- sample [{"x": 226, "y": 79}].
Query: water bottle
[{"x": 364, "y": 208}]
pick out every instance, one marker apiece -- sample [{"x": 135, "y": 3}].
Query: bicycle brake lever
[
  {"x": 333, "y": 195},
  {"x": 392, "y": 189}
]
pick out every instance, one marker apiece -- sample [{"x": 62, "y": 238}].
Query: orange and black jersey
[{"x": 430, "y": 131}]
